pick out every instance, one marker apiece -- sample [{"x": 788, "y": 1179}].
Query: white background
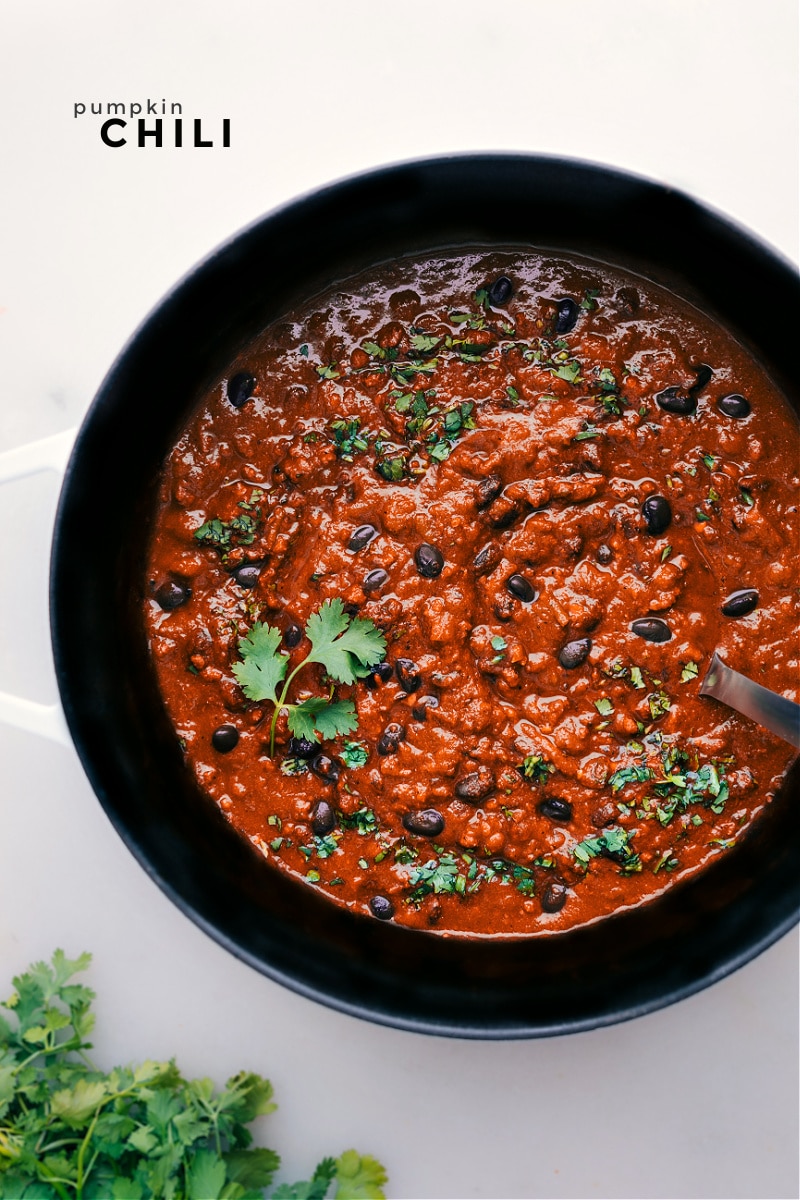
[{"x": 697, "y": 1101}]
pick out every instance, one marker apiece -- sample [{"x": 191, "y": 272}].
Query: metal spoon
[{"x": 767, "y": 708}]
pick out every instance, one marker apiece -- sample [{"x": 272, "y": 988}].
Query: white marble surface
[{"x": 699, "y": 1100}]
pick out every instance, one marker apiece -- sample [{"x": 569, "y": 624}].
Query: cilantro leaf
[
  {"x": 318, "y": 715},
  {"x": 206, "y": 1176},
  {"x": 261, "y": 668},
  {"x": 345, "y": 646},
  {"x": 69, "y": 1130},
  {"x": 315, "y": 1189},
  {"x": 359, "y": 1177}
]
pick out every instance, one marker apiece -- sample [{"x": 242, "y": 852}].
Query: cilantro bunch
[
  {"x": 69, "y": 1131},
  {"x": 347, "y": 647}
]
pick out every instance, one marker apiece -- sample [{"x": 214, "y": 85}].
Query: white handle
[
  {"x": 45, "y": 719},
  {"x": 48, "y": 454}
]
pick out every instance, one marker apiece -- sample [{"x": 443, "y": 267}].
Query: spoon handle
[{"x": 767, "y": 708}]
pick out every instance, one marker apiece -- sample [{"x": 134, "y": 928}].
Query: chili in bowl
[{"x": 422, "y": 571}]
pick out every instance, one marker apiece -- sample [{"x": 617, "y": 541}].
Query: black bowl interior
[{"x": 609, "y": 971}]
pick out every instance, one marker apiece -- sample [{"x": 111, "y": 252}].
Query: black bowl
[{"x": 614, "y": 969}]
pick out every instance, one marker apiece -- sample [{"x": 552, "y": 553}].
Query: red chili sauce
[{"x": 550, "y": 490}]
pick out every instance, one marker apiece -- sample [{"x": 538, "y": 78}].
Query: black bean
[
  {"x": 567, "y": 315},
  {"x": 556, "y": 809},
  {"x": 292, "y": 636},
  {"x": 487, "y": 559},
  {"x": 407, "y": 674},
  {"x": 740, "y": 603},
  {"x": 326, "y": 768},
  {"x": 703, "y": 376},
  {"x": 629, "y": 301},
  {"x": 427, "y": 822},
  {"x": 240, "y": 388},
  {"x": 381, "y": 908},
  {"x": 390, "y": 739},
  {"x": 429, "y": 561},
  {"x": 676, "y": 400},
  {"x": 488, "y": 489},
  {"x": 501, "y": 291},
  {"x": 225, "y": 738},
  {"x": 574, "y": 653},
  {"x": 323, "y": 818},
  {"x": 519, "y": 586},
  {"x": 420, "y": 709},
  {"x": 361, "y": 538},
  {"x": 375, "y": 580},
  {"x": 652, "y": 629},
  {"x": 172, "y": 595},
  {"x": 657, "y": 514},
  {"x": 604, "y": 554},
  {"x": 247, "y": 576},
  {"x": 302, "y": 748},
  {"x": 380, "y": 673},
  {"x": 554, "y": 897},
  {"x": 734, "y": 405},
  {"x": 476, "y": 785}
]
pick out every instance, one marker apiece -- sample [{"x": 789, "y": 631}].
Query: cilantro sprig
[
  {"x": 347, "y": 647},
  {"x": 70, "y": 1131}
]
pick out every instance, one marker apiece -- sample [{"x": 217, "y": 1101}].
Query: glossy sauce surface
[{"x": 546, "y": 482}]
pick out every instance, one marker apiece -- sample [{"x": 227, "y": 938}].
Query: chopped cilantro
[
  {"x": 392, "y": 469},
  {"x": 224, "y": 535},
  {"x": 363, "y": 821},
  {"x": 665, "y": 553},
  {"x": 614, "y": 843},
  {"x": 589, "y": 301},
  {"x": 590, "y": 431},
  {"x": 632, "y": 774},
  {"x": 403, "y": 855},
  {"x": 294, "y": 766},
  {"x": 435, "y": 876},
  {"x": 327, "y": 845},
  {"x": 330, "y": 371},
  {"x": 512, "y": 394},
  {"x": 666, "y": 862},
  {"x": 604, "y": 706},
  {"x": 710, "y": 461},
  {"x": 659, "y": 704},
  {"x": 347, "y": 436},
  {"x": 746, "y": 498},
  {"x": 536, "y": 768},
  {"x": 637, "y": 678},
  {"x": 569, "y": 370},
  {"x": 689, "y": 672},
  {"x": 354, "y": 754},
  {"x": 424, "y": 342}
]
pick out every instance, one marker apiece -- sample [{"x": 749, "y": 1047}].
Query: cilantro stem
[
  {"x": 54, "y": 1180},
  {"x": 281, "y": 704}
]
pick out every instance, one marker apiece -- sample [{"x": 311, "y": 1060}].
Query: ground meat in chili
[{"x": 550, "y": 489}]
